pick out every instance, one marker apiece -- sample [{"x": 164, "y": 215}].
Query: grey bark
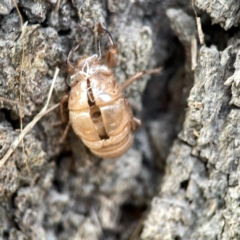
[
  {"x": 50, "y": 190},
  {"x": 226, "y": 13},
  {"x": 198, "y": 197}
]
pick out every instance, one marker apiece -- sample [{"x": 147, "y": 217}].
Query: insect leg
[
  {"x": 137, "y": 75},
  {"x": 64, "y": 117},
  {"x": 63, "y": 108},
  {"x": 111, "y": 56},
  {"x": 64, "y": 135},
  {"x": 136, "y": 122}
]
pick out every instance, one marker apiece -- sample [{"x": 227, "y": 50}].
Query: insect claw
[{"x": 70, "y": 66}]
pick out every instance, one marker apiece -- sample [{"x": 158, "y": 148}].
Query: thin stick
[
  {"x": 199, "y": 25},
  {"x": 21, "y": 82},
  {"x": 193, "y": 52},
  {"x": 22, "y": 61},
  {"x": 20, "y": 16},
  {"x": 43, "y": 112},
  {"x": 57, "y": 6},
  {"x": 94, "y": 216},
  {"x": 9, "y": 101}
]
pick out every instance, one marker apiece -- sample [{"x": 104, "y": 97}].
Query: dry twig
[{"x": 199, "y": 25}]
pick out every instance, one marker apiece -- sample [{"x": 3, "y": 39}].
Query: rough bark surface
[
  {"x": 54, "y": 191},
  {"x": 199, "y": 194},
  {"x": 223, "y": 12},
  {"x": 50, "y": 190}
]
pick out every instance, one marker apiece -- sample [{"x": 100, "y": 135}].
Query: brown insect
[{"x": 99, "y": 113}]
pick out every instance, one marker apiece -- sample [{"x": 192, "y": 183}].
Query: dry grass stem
[{"x": 43, "y": 112}]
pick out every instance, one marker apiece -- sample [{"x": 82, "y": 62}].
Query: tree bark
[
  {"x": 184, "y": 161},
  {"x": 198, "y": 197}
]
